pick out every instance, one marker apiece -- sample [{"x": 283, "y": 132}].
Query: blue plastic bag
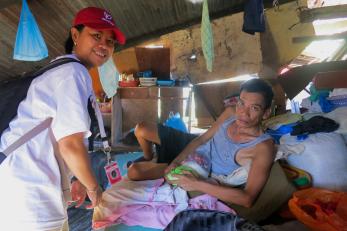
[
  {"x": 29, "y": 45},
  {"x": 175, "y": 121}
]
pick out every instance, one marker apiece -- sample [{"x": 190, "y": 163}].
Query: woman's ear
[{"x": 74, "y": 35}]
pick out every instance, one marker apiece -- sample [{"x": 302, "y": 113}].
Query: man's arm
[{"x": 257, "y": 177}]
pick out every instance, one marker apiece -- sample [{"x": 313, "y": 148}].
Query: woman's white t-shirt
[{"x": 30, "y": 194}]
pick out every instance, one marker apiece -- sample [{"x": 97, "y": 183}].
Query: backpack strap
[
  {"x": 28, "y": 136},
  {"x": 55, "y": 63},
  {"x": 46, "y": 123}
]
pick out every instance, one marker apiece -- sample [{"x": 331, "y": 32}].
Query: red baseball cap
[{"x": 98, "y": 18}]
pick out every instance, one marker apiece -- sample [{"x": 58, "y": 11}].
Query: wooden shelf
[{"x": 150, "y": 104}]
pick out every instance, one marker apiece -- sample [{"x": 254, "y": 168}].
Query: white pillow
[{"x": 324, "y": 157}]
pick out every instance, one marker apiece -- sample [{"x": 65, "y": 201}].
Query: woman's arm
[{"x": 75, "y": 155}]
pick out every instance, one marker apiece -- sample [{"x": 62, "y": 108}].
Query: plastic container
[
  {"x": 148, "y": 81},
  {"x": 165, "y": 82},
  {"x": 130, "y": 83}
]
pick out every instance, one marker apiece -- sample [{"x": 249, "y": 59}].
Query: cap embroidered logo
[{"x": 107, "y": 18}]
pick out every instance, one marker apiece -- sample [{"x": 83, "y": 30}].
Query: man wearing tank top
[{"x": 235, "y": 141}]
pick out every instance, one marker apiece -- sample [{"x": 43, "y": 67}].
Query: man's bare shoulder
[{"x": 265, "y": 149}]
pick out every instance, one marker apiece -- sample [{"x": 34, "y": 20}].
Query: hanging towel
[
  {"x": 253, "y": 17},
  {"x": 207, "y": 37},
  {"x": 109, "y": 77},
  {"x": 29, "y": 45}
]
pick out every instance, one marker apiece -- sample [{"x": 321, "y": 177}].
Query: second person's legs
[
  {"x": 147, "y": 134},
  {"x": 169, "y": 143}
]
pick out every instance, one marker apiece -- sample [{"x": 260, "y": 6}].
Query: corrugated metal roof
[{"x": 140, "y": 20}]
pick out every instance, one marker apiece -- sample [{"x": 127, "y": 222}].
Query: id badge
[{"x": 113, "y": 173}]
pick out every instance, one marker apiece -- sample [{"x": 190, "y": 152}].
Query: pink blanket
[{"x": 152, "y": 203}]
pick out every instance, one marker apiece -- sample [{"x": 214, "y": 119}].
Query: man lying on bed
[{"x": 235, "y": 141}]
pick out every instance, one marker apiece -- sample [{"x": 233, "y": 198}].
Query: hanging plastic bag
[
  {"x": 175, "y": 121},
  {"x": 109, "y": 77},
  {"x": 320, "y": 209},
  {"x": 29, "y": 45}
]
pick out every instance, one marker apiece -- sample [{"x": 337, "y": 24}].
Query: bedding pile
[{"x": 151, "y": 203}]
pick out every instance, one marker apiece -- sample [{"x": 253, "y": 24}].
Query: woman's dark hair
[
  {"x": 261, "y": 87},
  {"x": 69, "y": 42}
]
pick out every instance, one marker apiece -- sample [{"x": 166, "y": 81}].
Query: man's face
[{"x": 250, "y": 109}]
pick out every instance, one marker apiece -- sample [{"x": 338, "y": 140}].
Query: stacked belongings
[
  {"x": 315, "y": 155},
  {"x": 310, "y": 144},
  {"x": 315, "y": 142}
]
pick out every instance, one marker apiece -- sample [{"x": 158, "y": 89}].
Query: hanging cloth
[
  {"x": 253, "y": 17},
  {"x": 29, "y": 45},
  {"x": 207, "y": 37},
  {"x": 109, "y": 77}
]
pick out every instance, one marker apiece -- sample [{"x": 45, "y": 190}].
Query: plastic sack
[
  {"x": 324, "y": 158},
  {"x": 175, "y": 121},
  {"x": 320, "y": 209},
  {"x": 29, "y": 45}
]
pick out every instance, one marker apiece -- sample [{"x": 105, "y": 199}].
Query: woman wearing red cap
[{"x": 32, "y": 197}]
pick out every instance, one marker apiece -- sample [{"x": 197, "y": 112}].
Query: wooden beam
[
  {"x": 329, "y": 12},
  {"x": 296, "y": 79},
  {"x": 319, "y": 37}
]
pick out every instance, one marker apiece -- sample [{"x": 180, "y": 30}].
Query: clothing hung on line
[
  {"x": 253, "y": 18},
  {"x": 32, "y": 198}
]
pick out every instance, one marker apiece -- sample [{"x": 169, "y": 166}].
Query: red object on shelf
[{"x": 131, "y": 83}]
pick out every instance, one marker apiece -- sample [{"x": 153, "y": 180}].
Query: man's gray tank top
[{"x": 221, "y": 150}]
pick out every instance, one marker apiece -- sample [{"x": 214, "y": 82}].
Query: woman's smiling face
[{"x": 93, "y": 47}]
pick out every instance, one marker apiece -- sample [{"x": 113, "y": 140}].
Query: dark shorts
[{"x": 172, "y": 142}]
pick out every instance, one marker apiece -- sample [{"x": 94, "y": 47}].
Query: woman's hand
[
  {"x": 187, "y": 181},
  {"x": 95, "y": 196},
  {"x": 78, "y": 193}
]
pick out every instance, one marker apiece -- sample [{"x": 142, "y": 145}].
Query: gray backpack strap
[{"x": 26, "y": 137}]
